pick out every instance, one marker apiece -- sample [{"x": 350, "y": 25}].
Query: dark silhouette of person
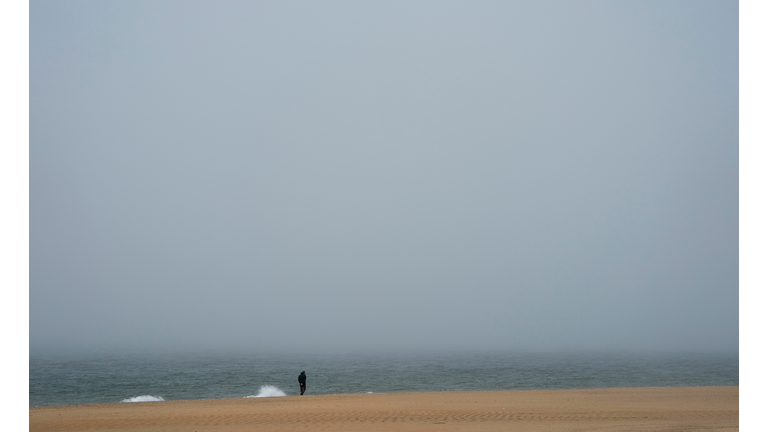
[{"x": 303, "y": 382}]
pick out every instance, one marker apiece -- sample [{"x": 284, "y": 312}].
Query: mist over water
[
  {"x": 382, "y": 176},
  {"x": 392, "y": 196},
  {"x": 116, "y": 378}
]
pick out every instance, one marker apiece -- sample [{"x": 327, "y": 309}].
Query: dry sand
[{"x": 627, "y": 409}]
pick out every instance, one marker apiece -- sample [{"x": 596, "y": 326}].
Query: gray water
[{"x": 99, "y": 378}]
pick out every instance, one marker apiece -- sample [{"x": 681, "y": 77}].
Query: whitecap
[
  {"x": 144, "y": 398},
  {"x": 268, "y": 391}
]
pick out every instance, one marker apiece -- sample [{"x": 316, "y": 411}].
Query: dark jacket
[{"x": 302, "y": 379}]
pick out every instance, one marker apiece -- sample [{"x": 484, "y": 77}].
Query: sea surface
[{"x": 135, "y": 377}]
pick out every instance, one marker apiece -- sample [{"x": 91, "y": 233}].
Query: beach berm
[{"x": 615, "y": 409}]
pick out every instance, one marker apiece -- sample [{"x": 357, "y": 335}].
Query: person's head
[{"x": 302, "y": 371}]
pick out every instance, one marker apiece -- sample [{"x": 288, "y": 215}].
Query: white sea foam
[
  {"x": 145, "y": 398},
  {"x": 268, "y": 391}
]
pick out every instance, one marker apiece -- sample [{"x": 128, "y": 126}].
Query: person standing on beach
[{"x": 303, "y": 382}]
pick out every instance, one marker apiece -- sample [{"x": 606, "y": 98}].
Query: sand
[{"x": 626, "y": 409}]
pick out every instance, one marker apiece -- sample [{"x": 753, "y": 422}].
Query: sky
[{"x": 383, "y": 176}]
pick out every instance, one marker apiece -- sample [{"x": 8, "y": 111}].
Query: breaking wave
[
  {"x": 268, "y": 391},
  {"x": 145, "y": 398}
]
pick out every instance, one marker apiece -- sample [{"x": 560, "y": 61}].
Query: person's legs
[{"x": 303, "y": 388}]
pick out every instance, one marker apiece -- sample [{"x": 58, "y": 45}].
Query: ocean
[{"x": 133, "y": 377}]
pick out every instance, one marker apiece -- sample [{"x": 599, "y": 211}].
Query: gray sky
[{"x": 384, "y": 176}]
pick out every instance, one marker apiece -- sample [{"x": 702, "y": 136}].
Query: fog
[{"x": 383, "y": 176}]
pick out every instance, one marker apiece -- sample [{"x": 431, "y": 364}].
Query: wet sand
[{"x": 625, "y": 409}]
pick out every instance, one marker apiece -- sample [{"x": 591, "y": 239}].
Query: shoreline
[
  {"x": 361, "y": 394},
  {"x": 631, "y": 408}
]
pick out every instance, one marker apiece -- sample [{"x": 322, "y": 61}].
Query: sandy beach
[{"x": 623, "y": 409}]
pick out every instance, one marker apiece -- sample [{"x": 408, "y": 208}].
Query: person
[{"x": 303, "y": 382}]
